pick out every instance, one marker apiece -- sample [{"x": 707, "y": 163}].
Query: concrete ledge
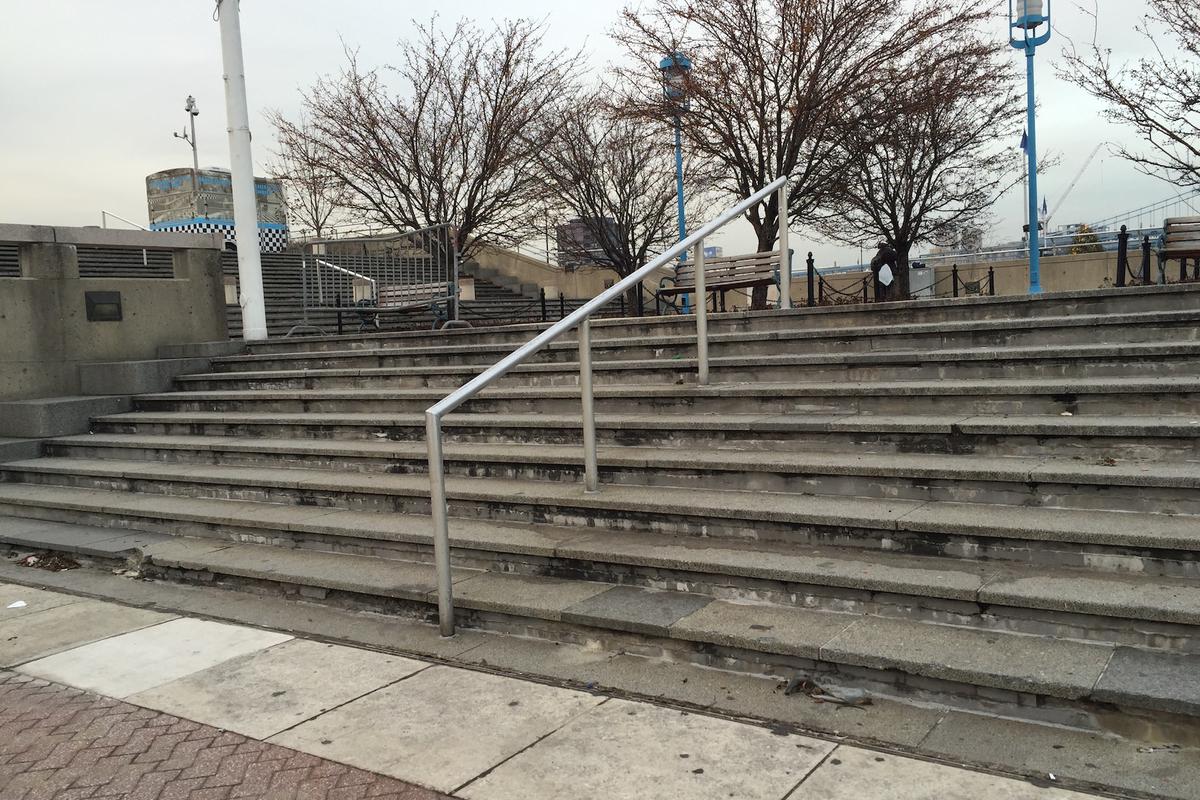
[
  {"x": 136, "y": 377},
  {"x": 110, "y": 237},
  {"x": 56, "y": 416}
]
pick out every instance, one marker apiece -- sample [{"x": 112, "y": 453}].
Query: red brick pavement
[{"x": 63, "y": 743}]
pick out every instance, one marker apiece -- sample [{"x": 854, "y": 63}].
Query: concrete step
[
  {"x": 1087, "y": 438},
  {"x": 1004, "y": 310},
  {"x": 631, "y": 343},
  {"x": 1076, "y": 361},
  {"x": 1154, "y": 543},
  {"x": 1170, "y": 396},
  {"x": 1052, "y": 679},
  {"x": 1104, "y": 484}
]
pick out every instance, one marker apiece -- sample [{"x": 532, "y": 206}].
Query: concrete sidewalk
[{"x": 457, "y": 731}]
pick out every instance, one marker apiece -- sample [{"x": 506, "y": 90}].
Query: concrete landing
[{"x": 468, "y": 733}]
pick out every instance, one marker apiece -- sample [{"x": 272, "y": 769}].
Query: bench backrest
[
  {"x": 1181, "y": 235},
  {"x": 729, "y": 269}
]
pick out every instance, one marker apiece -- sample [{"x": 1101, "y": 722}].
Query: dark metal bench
[{"x": 722, "y": 275}]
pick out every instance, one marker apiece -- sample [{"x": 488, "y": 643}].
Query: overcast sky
[{"x": 90, "y": 92}]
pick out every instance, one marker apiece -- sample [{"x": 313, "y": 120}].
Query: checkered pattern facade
[{"x": 270, "y": 240}]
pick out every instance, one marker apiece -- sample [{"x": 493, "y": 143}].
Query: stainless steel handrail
[{"x": 582, "y": 317}]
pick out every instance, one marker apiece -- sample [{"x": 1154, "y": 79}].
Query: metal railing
[
  {"x": 581, "y": 317},
  {"x": 397, "y": 273}
]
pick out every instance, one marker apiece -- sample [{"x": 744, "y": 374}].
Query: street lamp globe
[
  {"x": 675, "y": 71},
  {"x": 1029, "y": 14}
]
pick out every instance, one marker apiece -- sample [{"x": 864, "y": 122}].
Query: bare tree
[
  {"x": 1159, "y": 96},
  {"x": 616, "y": 174},
  {"x": 312, "y": 195},
  {"x": 770, "y": 82},
  {"x": 938, "y": 150},
  {"x": 458, "y": 142}
]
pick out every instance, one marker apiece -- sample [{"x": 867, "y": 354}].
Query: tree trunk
[
  {"x": 903, "y": 286},
  {"x": 766, "y": 241},
  {"x": 631, "y": 300}
]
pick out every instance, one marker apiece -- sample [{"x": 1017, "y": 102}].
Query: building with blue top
[{"x": 202, "y": 202}]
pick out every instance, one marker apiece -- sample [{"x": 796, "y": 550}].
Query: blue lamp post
[
  {"x": 675, "y": 70},
  {"x": 1025, "y": 19}
]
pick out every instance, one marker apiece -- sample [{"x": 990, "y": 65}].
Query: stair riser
[
  {"x": 1088, "y": 448},
  {"x": 1187, "y": 331},
  {"x": 668, "y": 373},
  {"x": 1113, "y": 404},
  {"x": 1018, "y": 309},
  {"x": 741, "y": 526},
  {"x": 1010, "y": 491}
]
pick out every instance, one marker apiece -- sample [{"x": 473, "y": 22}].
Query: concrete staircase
[
  {"x": 494, "y": 304},
  {"x": 988, "y": 504}
]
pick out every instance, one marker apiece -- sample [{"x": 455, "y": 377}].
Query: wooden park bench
[
  {"x": 721, "y": 275},
  {"x": 1181, "y": 240}
]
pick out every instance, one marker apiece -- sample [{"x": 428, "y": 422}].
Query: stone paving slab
[
  {"x": 628, "y": 751},
  {"x": 268, "y": 691},
  {"x": 629, "y": 608},
  {"x": 855, "y": 774},
  {"x": 1164, "y": 681},
  {"x": 134, "y": 662},
  {"x": 67, "y": 625},
  {"x": 440, "y": 728},
  {"x": 33, "y": 600},
  {"x": 59, "y": 743}
]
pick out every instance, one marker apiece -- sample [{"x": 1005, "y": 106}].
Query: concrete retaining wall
[{"x": 45, "y": 334}]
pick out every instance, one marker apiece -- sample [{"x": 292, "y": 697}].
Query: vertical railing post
[
  {"x": 441, "y": 524},
  {"x": 991, "y": 282},
  {"x": 1146, "y": 260},
  {"x": 785, "y": 255},
  {"x": 591, "y": 476},
  {"x": 542, "y": 296},
  {"x": 811, "y": 274},
  {"x": 1122, "y": 255},
  {"x": 562, "y": 305},
  {"x": 954, "y": 278},
  {"x": 866, "y": 288},
  {"x": 701, "y": 315}
]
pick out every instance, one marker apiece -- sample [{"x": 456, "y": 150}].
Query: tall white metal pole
[{"x": 241, "y": 167}]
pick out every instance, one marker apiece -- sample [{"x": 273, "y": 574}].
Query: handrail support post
[
  {"x": 701, "y": 315},
  {"x": 591, "y": 471},
  {"x": 785, "y": 256},
  {"x": 441, "y": 524}
]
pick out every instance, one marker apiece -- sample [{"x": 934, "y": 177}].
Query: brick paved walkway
[{"x": 63, "y": 743}]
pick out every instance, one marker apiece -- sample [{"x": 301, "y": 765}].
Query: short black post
[
  {"x": 866, "y": 287},
  {"x": 954, "y": 278},
  {"x": 337, "y": 301},
  {"x": 1146, "y": 260},
  {"x": 1122, "y": 255},
  {"x": 811, "y": 275},
  {"x": 562, "y": 305},
  {"x": 542, "y": 296},
  {"x": 991, "y": 282},
  {"x": 1182, "y": 270}
]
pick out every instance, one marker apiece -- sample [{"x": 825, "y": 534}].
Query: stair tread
[
  {"x": 1055, "y": 667},
  {"x": 1025, "y": 585},
  {"x": 1080, "y": 424},
  {"x": 601, "y": 341},
  {"x": 959, "y": 467},
  {"x": 880, "y": 357}
]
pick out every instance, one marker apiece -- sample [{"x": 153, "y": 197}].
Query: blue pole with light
[
  {"x": 1025, "y": 18},
  {"x": 675, "y": 70}
]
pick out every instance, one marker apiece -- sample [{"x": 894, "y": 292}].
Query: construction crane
[{"x": 1071, "y": 187}]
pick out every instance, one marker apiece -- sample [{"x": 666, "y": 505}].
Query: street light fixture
[
  {"x": 193, "y": 111},
  {"x": 1027, "y": 19},
  {"x": 675, "y": 71}
]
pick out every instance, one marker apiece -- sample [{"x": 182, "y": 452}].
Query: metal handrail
[{"x": 581, "y": 317}]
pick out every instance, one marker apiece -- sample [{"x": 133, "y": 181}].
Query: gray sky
[{"x": 91, "y": 91}]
